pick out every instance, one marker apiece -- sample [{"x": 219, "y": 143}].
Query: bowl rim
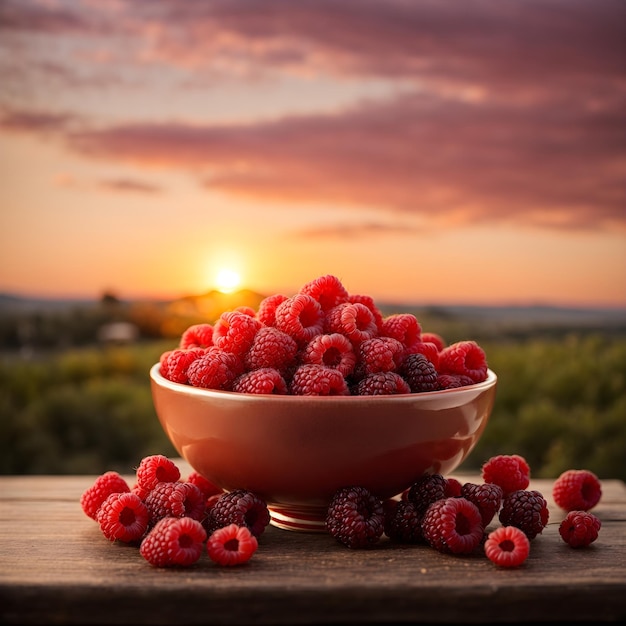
[{"x": 161, "y": 381}]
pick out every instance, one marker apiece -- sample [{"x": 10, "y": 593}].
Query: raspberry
[
  {"x": 368, "y": 301},
  {"x": 453, "y": 525},
  {"x": 176, "y": 364},
  {"x": 579, "y": 528},
  {"x": 234, "y": 332},
  {"x": 123, "y": 516},
  {"x": 487, "y": 497},
  {"x": 174, "y": 542},
  {"x": 271, "y": 347},
  {"x": 453, "y": 381},
  {"x": 154, "y": 469},
  {"x": 381, "y": 354},
  {"x": 232, "y": 545},
  {"x": 381, "y": 384},
  {"x": 246, "y": 310},
  {"x": 429, "y": 350},
  {"x": 507, "y": 546},
  {"x": 453, "y": 488},
  {"x": 240, "y": 507},
  {"x": 327, "y": 290},
  {"x": 197, "y": 336},
  {"x": 527, "y": 510},
  {"x": 404, "y": 327},
  {"x": 403, "y": 522},
  {"x": 175, "y": 499},
  {"x": 301, "y": 317},
  {"x": 577, "y": 490},
  {"x": 266, "y": 380},
  {"x": 355, "y": 517},
  {"x": 466, "y": 358},
  {"x": 106, "y": 484},
  {"x": 419, "y": 373},
  {"x": 511, "y": 472},
  {"x": 318, "y": 380},
  {"x": 427, "y": 489},
  {"x": 438, "y": 340},
  {"x": 216, "y": 369},
  {"x": 354, "y": 320},
  {"x": 266, "y": 313},
  {"x": 332, "y": 350},
  {"x": 207, "y": 487}
]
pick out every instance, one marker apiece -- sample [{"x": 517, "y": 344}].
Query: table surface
[{"x": 57, "y": 568}]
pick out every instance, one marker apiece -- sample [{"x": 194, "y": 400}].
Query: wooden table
[{"x": 57, "y": 568}]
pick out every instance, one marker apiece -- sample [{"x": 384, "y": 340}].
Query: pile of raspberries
[
  {"x": 321, "y": 341},
  {"x": 174, "y": 522}
]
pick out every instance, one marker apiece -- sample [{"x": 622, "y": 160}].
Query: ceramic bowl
[{"x": 296, "y": 451}]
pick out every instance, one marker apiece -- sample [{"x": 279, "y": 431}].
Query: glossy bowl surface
[{"x": 296, "y": 451}]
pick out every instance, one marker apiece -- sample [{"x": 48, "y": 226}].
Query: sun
[{"x": 227, "y": 280}]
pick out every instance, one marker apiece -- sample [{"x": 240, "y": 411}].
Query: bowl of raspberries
[{"x": 317, "y": 391}]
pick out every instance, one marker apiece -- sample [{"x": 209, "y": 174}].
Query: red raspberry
[
  {"x": 123, "y": 516},
  {"x": 380, "y": 354},
  {"x": 231, "y": 545},
  {"x": 106, "y": 484},
  {"x": 207, "y": 487},
  {"x": 507, "y": 546},
  {"x": 155, "y": 469},
  {"x": 197, "y": 336},
  {"x": 381, "y": 384},
  {"x": 403, "y": 522},
  {"x": 579, "y": 528},
  {"x": 487, "y": 497},
  {"x": 234, "y": 332},
  {"x": 453, "y": 488},
  {"x": 318, "y": 380},
  {"x": 265, "y": 380},
  {"x": 419, "y": 373},
  {"x": 327, "y": 290},
  {"x": 301, "y": 317},
  {"x": 216, "y": 369},
  {"x": 240, "y": 507},
  {"x": 174, "y": 542},
  {"x": 266, "y": 313},
  {"x": 527, "y": 510},
  {"x": 246, "y": 310},
  {"x": 466, "y": 358},
  {"x": 271, "y": 347},
  {"x": 429, "y": 350},
  {"x": 333, "y": 350},
  {"x": 176, "y": 364},
  {"x": 404, "y": 327},
  {"x": 355, "y": 517},
  {"x": 453, "y": 525},
  {"x": 368, "y": 301},
  {"x": 427, "y": 489},
  {"x": 175, "y": 500},
  {"x": 511, "y": 472},
  {"x": 577, "y": 490},
  {"x": 438, "y": 340},
  {"x": 354, "y": 320},
  {"x": 453, "y": 381}
]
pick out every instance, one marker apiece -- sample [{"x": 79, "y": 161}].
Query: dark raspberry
[
  {"x": 216, "y": 369},
  {"x": 380, "y": 354},
  {"x": 487, "y": 497},
  {"x": 271, "y": 347},
  {"x": 453, "y": 525},
  {"x": 507, "y": 546},
  {"x": 234, "y": 332},
  {"x": 174, "y": 542},
  {"x": 123, "y": 517},
  {"x": 207, "y": 487},
  {"x": 404, "y": 327},
  {"x": 511, "y": 472},
  {"x": 419, "y": 373},
  {"x": 327, "y": 290},
  {"x": 240, "y": 507},
  {"x": 427, "y": 489},
  {"x": 318, "y": 380},
  {"x": 453, "y": 488},
  {"x": 453, "y": 381},
  {"x": 266, "y": 313},
  {"x": 355, "y": 517},
  {"x": 466, "y": 358},
  {"x": 301, "y": 317},
  {"x": 331, "y": 350},
  {"x": 265, "y": 380},
  {"x": 579, "y": 528},
  {"x": 403, "y": 522},
  {"x": 368, "y": 301},
  {"x": 231, "y": 545},
  {"x": 381, "y": 384},
  {"x": 354, "y": 320},
  {"x": 175, "y": 500},
  {"x": 154, "y": 469},
  {"x": 106, "y": 484},
  {"x": 577, "y": 490},
  {"x": 176, "y": 364},
  {"x": 438, "y": 340},
  {"x": 526, "y": 510},
  {"x": 197, "y": 336}
]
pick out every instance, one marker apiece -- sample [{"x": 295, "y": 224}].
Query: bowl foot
[{"x": 309, "y": 519}]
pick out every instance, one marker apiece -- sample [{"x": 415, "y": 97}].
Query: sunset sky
[{"x": 427, "y": 151}]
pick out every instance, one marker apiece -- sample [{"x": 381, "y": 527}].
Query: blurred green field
[{"x": 561, "y": 403}]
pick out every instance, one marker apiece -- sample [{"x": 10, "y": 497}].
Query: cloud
[{"x": 129, "y": 185}]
